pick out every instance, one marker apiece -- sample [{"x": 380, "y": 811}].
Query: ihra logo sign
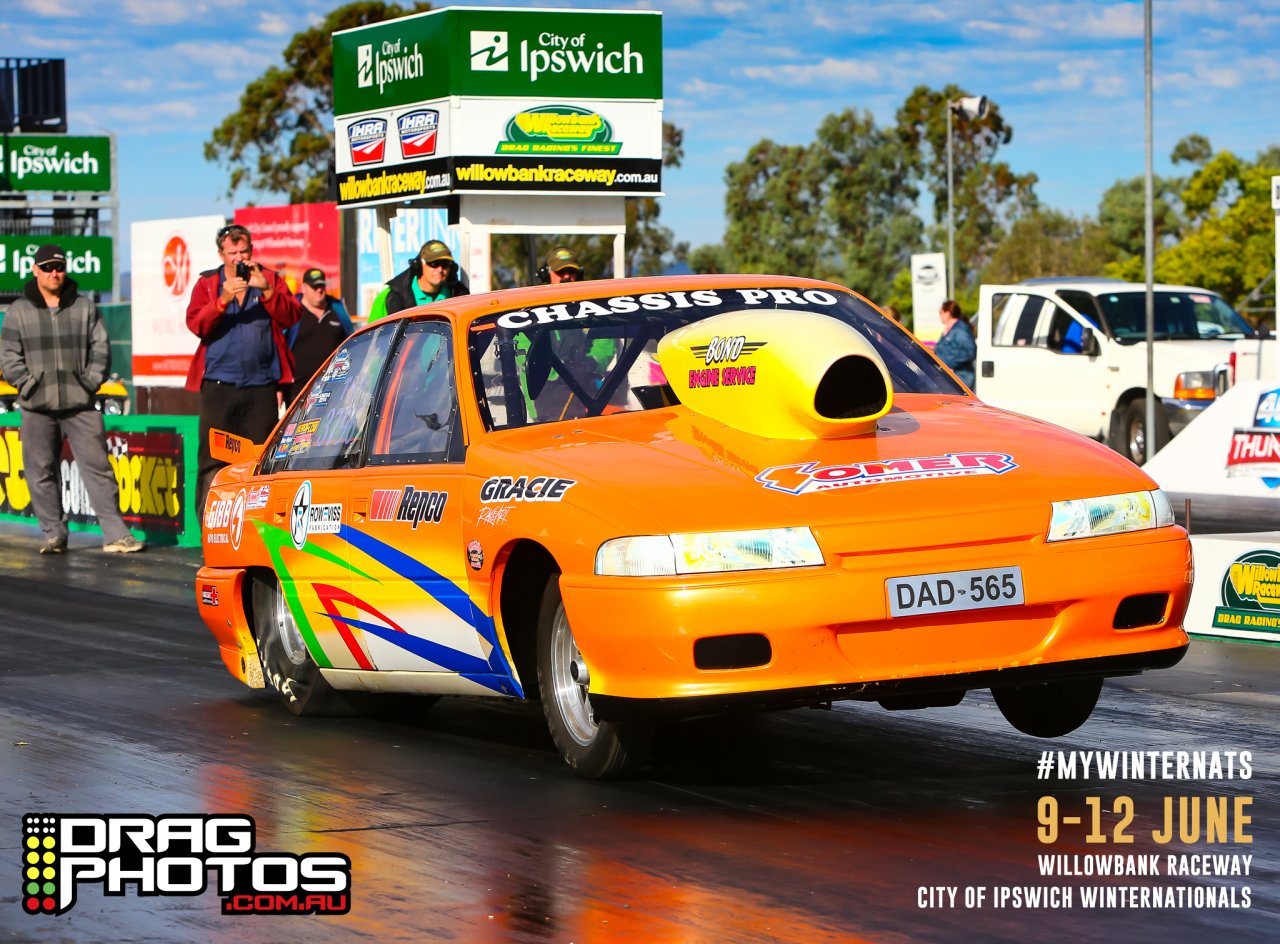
[{"x": 171, "y": 856}]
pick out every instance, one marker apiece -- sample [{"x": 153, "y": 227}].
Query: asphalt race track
[{"x": 461, "y": 824}]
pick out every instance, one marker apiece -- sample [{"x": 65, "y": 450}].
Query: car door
[
  {"x": 307, "y": 527},
  {"x": 409, "y": 566},
  {"x": 1040, "y": 363}
]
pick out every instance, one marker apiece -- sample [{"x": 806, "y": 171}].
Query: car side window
[
  {"x": 417, "y": 420},
  {"x": 326, "y": 428},
  {"x": 1018, "y": 319}
]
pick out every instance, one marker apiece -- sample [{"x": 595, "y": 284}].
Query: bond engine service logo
[
  {"x": 558, "y": 129},
  {"x": 1250, "y": 593},
  {"x": 172, "y": 855},
  {"x": 368, "y": 139},
  {"x": 418, "y": 132},
  {"x": 489, "y": 51}
]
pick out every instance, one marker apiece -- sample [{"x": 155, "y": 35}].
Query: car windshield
[
  {"x": 1179, "y": 316},
  {"x": 599, "y": 355}
]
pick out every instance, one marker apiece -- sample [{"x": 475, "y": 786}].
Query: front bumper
[
  {"x": 1179, "y": 413},
  {"x": 830, "y": 634}
]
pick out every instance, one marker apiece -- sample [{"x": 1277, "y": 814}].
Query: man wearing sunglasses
[
  {"x": 240, "y": 312},
  {"x": 432, "y": 275},
  {"x": 54, "y": 349}
]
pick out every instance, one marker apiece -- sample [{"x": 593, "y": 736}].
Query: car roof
[
  {"x": 467, "y": 308},
  {"x": 1102, "y": 286}
]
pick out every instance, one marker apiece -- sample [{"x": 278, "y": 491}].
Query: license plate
[{"x": 954, "y": 591}]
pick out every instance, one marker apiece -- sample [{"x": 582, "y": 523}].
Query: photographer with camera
[
  {"x": 432, "y": 276},
  {"x": 239, "y": 312}
]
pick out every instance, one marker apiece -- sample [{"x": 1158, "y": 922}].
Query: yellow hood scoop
[{"x": 782, "y": 374}]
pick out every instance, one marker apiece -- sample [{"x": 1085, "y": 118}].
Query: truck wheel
[
  {"x": 1131, "y": 440},
  {"x": 595, "y": 750},
  {"x": 286, "y": 663},
  {"x": 1048, "y": 709}
]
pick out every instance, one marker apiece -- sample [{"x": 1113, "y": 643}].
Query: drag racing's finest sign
[{"x": 1250, "y": 593}]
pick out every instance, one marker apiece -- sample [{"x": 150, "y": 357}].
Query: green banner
[
  {"x": 554, "y": 54},
  {"x": 154, "y": 459},
  {"x": 58, "y": 162},
  {"x": 89, "y": 260}
]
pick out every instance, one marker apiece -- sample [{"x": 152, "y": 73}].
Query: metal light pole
[
  {"x": 975, "y": 106},
  {"x": 1148, "y": 447}
]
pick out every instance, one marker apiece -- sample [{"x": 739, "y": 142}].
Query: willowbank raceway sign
[{"x": 467, "y": 100}]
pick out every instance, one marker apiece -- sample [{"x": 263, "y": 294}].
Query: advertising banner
[
  {"x": 928, "y": 292},
  {"x": 90, "y": 260},
  {"x": 168, "y": 256},
  {"x": 410, "y": 228},
  {"x": 500, "y": 52},
  {"x": 292, "y": 239},
  {"x": 154, "y": 460},
  {"x": 58, "y": 162},
  {"x": 483, "y": 101}
]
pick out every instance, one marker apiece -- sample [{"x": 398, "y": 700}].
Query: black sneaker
[
  {"x": 54, "y": 546},
  {"x": 126, "y": 545}
]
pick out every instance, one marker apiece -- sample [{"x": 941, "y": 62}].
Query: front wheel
[
  {"x": 595, "y": 750},
  {"x": 1048, "y": 709},
  {"x": 286, "y": 663},
  {"x": 1132, "y": 440}
]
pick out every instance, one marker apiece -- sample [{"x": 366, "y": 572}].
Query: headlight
[
  {"x": 1110, "y": 514},
  {"x": 669, "y": 554},
  {"x": 1195, "y": 385}
]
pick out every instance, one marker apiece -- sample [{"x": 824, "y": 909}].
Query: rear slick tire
[
  {"x": 595, "y": 750},
  {"x": 1048, "y": 709},
  {"x": 287, "y": 666}
]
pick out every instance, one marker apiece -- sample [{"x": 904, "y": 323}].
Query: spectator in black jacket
[{"x": 432, "y": 276}]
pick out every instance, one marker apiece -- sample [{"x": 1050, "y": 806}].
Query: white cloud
[
  {"x": 827, "y": 71},
  {"x": 272, "y": 24},
  {"x": 1115, "y": 22},
  {"x": 54, "y": 8},
  {"x": 1018, "y": 31},
  {"x": 165, "y": 12}
]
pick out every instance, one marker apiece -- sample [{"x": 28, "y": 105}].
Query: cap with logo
[
  {"x": 561, "y": 258},
  {"x": 50, "y": 252},
  {"x": 315, "y": 278},
  {"x": 434, "y": 250}
]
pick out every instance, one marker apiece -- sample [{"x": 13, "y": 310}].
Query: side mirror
[{"x": 1090, "y": 345}]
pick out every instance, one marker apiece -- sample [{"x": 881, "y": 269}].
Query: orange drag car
[{"x": 657, "y": 498}]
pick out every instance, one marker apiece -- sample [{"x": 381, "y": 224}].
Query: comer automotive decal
[
  {"x": 559, "y": 129},
  {"x": 810, "y": 477},
  {"x": 174, "y": 855},
  {"x": 1250, "y": 593}
]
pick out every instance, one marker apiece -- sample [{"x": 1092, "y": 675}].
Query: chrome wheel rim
[
  {"x": 570, "y": 681},
  {"x": 295, "y": 649},
  {"x": 1138, "y": 442}
]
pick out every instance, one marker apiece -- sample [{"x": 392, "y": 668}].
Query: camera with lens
[{"x": 242, "y": 271}]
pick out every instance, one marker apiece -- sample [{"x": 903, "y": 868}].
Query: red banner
[{"x": 292, "y": 239}]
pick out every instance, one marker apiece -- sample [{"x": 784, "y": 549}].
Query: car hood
[{"x": 943, "y": 467}]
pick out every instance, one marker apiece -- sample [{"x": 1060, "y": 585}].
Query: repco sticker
[
  {"x": 811, "y": 477},
  {"x": 407, "y": 504},
  {"x": 504, "y": 488}
]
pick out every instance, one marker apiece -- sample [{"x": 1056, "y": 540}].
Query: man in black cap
[
  {"x": 561, "y": 265},
  {"x": 432, "y": 276},
  {"x": 321, "y": 327},
  {"x": 54, "y": 349}
]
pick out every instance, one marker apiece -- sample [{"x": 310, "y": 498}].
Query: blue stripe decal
[
  {"x": 448, "y": 658},
  {"x": 446, "y": 593}
]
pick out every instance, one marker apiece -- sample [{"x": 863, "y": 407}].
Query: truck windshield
[{"x": 1179, "y": 316}]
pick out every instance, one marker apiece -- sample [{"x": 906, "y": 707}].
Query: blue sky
[{"x": 161, "y": 74}]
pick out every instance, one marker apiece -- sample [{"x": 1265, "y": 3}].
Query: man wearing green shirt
[{"x": 432, "y": 275}]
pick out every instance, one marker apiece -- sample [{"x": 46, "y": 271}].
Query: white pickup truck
[{"x": 1073, "y": 351}]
